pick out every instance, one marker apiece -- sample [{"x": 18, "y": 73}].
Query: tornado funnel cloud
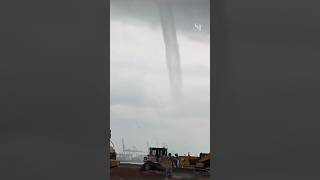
[{"x": 171, "y": 48}]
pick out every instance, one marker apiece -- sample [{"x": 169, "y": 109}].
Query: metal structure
[{"x": 131, "y": 155}]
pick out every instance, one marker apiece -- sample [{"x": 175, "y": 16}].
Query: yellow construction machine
[
  {"x": 188, "y": 161},
  {"x": 113, "y": 158},
  {"x": 204, "y": 161},
  {"x": 198, "y": 163},
  {"x": 113, "y": 155},
  {"x": 157, "y": 159}
]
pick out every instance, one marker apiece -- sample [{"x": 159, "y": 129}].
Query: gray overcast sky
[{"x": 141, "y": 106}]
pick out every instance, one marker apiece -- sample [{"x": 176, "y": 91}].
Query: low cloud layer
[{"x": 187, "y": 13}]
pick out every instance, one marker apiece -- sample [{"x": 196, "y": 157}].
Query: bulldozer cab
[
  {"x": 155, "y": 154},
  {"x": 158, "y": 152}
]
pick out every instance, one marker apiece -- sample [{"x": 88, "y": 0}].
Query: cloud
[{"x": 187, "y": 13}]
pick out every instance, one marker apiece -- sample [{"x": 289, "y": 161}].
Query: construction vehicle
[
  {"x": 188, "y": 161},
  {"x": 200, "y": 165},
  {"x": 157, "y": 159},
  {"x": 113, "y": 155},
  {"x": 113, "y": 158},
  {"x": 204, "y": 161}
]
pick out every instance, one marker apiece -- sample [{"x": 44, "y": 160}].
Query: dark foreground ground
[{"x": 132, "y": 172}]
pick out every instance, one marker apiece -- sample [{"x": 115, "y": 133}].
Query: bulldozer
[
  {"x": 188, "y": 161},
  {"x": 198, "y": 164},
  {"x": 203, "y": 161},
  {"x": 113, "y": 158},
  {"x": 113, "y": 155},
  {"x": 157, "y": 159}
]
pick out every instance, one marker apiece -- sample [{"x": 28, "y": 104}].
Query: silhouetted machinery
[
  {"x": 156, "y": 159},
  {"x": 113, "y": 155},
  {"x": 159, "y": 159}
]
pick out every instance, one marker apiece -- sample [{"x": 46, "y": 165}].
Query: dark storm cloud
[{"x": 187, "y": 13}]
